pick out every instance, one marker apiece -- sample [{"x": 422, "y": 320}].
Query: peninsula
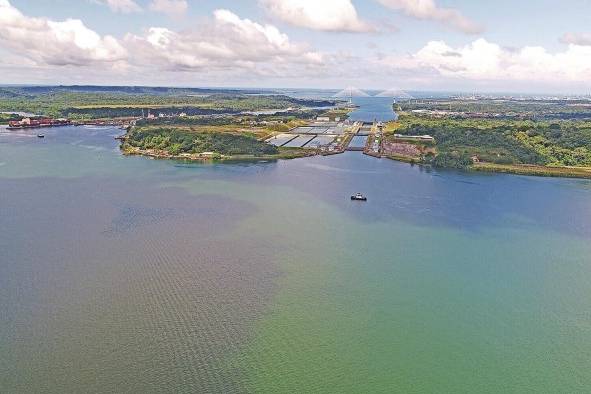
[{"x": 536, "y": 136}]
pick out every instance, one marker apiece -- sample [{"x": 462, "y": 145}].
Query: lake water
[
  {"x": 130, "y": 275},
  {"x": 372, "y": 109}
]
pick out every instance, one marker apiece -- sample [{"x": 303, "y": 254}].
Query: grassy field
[
  {"x": 392, "y": 127},
  {"x": 523, "y": 169},
  {"x": 342, "y": 113}
]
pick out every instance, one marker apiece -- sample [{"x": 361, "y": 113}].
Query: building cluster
[
  {"x": 327, "y": 119},
  {"x": 161, "y": 115},
  {"x": 426, "y": 138}
]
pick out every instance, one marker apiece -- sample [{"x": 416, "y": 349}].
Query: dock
[
  {"x": 331, "y": 138},
  {"x": 361, "y": 136}
]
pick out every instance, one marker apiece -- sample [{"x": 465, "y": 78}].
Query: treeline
[
  {"x": 124, "y": 112},
  {"x": 5, "y": 118},
  {"x": 60, "y": 102},
  {"x": 559, "y": 143},
  {"x": 280, "y": 119},
  {"x": 453, "y": 159},
  {"x": 176, "y": 141},
  {"x": 507, "y": 109},
  {"x": 148, "y": 90},
  {"x": 187, "y": 121}
]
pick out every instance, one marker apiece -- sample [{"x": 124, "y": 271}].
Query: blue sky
[{"x": 529, "y": 46}]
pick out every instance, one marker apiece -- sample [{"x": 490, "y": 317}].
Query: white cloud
[
  {"x": 576, "y": 38},
  {"x": 324, "y": 15},
  {"x": 428, "y": 10},
  {"x": 227, "y": 43},
  {"x": 123, "y": 6},
  {"x": 227, "y": 49},
  {"x": 486, "y": 61},
  {"x": 50, "y": 42},
  {"x": 170, "y": 7}
]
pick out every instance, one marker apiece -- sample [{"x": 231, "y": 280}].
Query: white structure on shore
[{"x": 425, "y": 137}]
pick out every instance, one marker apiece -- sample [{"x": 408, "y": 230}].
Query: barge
[{"x": 35, "y": 123}]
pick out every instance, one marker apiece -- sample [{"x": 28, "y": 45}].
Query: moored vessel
[
  {"x": 358, "y": 197},
  {"x": 34, "y": 123}
]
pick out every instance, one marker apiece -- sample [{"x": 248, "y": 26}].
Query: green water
[{"x": 134, "y": 275}]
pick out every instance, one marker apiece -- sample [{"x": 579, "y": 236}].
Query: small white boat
[{"x": 358, "y": 197}]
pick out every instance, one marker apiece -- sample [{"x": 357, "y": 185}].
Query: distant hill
[{"x": 14, "y": 91}]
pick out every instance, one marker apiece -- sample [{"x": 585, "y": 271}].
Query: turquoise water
[{"x": 125, "y": 274}]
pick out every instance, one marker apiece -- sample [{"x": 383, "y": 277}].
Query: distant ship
[{"x": 33, "y": 123}]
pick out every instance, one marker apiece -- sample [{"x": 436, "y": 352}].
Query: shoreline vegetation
[
  {"x": 285, "y": 154},
  {"x": 513, "y": 169},
  {"x": 540, "y": 137},
  {"x": 5, "y": 118},
  {"x": 223, "y": 138},
  {"x": 492, "y": 142},
  {"x": 533, "y": 170},
  {"x": 100, "y": 102},
  {"x": 226, "y": 138}
]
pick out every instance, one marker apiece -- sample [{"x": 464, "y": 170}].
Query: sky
[{"x": 529, "y": 46}]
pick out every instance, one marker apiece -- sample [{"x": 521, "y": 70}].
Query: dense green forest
[
  {"x": 220, "y": 120},
  {"x": 555, "y": 143},
  {"x": 104, "y": 102},
  {"x": 5, "y": 118},
  {"x": 137, "y": 112},
  {"x": 505, "y": 108},
  {"x": 176, "y": 141}
]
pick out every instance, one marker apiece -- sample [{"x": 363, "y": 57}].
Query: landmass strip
[{"x": 535, "y": 136}]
